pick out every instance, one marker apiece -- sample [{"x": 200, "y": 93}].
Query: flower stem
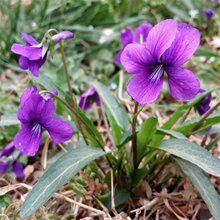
[
  {"x": 209, "y": 112},
  {"x": 134, "y": 136},
  {"x": 70, "y": 89}
]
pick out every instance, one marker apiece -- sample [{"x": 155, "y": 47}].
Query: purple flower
[
  {"x": 8, "y": 161},
  {"x": 127, "y": 37},
  {"x": 204, "y": 105},
  {"x": 36, "y": 114},
  {"x": 31, "y": 53},
  {"x": 168, "y": 46},
  {"x": 87, "y": 98},
  {"x": 209, "y": 13}
]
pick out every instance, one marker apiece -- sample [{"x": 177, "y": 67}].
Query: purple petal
[
  {"x": 59, "y": 130},
  {"x": 35, "y": 65},
  {"x": 23, "y": 63},
  {"x": 87, "y": 98},
  {"x": 7, "y": 151},
  {"x": 126, "y": 37},
  {"x": 135, "y": 58},
  {"x": 183, "y": 83},
  {"x": 142, "y": 32},
  {"x": 27, "y": 93},
  {"x": 143, "y": 88},
  {"x": 4, "y": 166},
  {"x": 36, "y": 109},
  {"x": 32, "y": 53},
  {"x": 28, "y": 140},
  {"x": 18, "y": 169},
  {"x": 29, "y": 39},
  {"x": 98, "y": 100},
  {"x": 62, "y": 36},
  {"x": 185, "y": 44},
  {"x": 118, "y": 56},
  {"x": 160, "y": 37}
]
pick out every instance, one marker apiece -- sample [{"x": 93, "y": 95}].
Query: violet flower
[
  {"x": 36, "y": 114},
  {"x": 204, "y": 104},
  {"x": 128, "y": 37},
  {"x": 209, "y": 13},
  {"x": 31, "y": 53},
  {"x": 9, "y": 162},
  {"x": 87, "y": 98},
  {"x": 168, "y": 46}
]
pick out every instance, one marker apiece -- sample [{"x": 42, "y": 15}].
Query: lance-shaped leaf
[
  {"x": 203, "y": 186},
  {"x": 193, "y": 153},
  {"x": 117, "y": 111},
  {"x": 58, "y": 174}
]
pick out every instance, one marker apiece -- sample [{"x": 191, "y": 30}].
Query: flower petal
[
  {"x": 27, "y": 141},
  {"x": 160, "y": 37},
  {"x": 62, "y": 36},
  {"x": 32, "y": 53},
  {"x": 29, "y": 39},
  {"x": 35, "y": 65},
  {"x": 183, "y": 83},
  {"x": 36, "y": 109},
  {"x": 4, "y": 166},
  {"x": 136, "y": 58},
  {"x": 126, "y": 37},
  {"x": 7, "y": 151},
  {"x": 143, "y": 88},
  {"x": 59, "y": 130},
  {"x": 118, "y": 56},
  {"x": 142, "y": 32},
  {"x": 183, "y": 47},
  {"x": 18, "y": 169},
  {"x": 23, "y": 63},
  {"x": 27, "y": 93}
]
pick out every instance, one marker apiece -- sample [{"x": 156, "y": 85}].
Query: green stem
[
  {"x": 70, "y": 90},
  {"x": 134, "y": 136},
  {"x": 209, "y": 112}
]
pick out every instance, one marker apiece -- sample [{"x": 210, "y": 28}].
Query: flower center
[
  {"x": 157, "y": 72},
  {"x": 36, "y": 128}
]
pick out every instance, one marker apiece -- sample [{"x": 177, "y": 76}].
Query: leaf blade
[
  {"x": 203, "y": 186},
  {"x": 192, "y": 153},
  {"x": 57, "y": 175}
]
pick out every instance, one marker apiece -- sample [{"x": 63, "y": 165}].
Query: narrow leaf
[
  {"x": 57, "y": 175},
  {"x": 193, "y": 153},
  {"x": 175, "y": 134},
  {"x": 148, "y": 128},
  {"x": 203, "y": 185},
  {"x": 117, "y": 111}
]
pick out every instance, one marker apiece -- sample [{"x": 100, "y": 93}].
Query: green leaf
[
  {"x": 92, "y": 129},
  {"x": 175, "y": 134},
  {"x": 203, "y": 185},
  {"x": 117, "y": 111},
  {"x": 57, "y": 175},
  {"x": 115, "y": 129},
  {"x": 121, "y": 196},
  {"x": 9, "y": 119},
  {"x": 148, "y": 128},
  {"x": 186, "y": 127},
  {"x": 193, "y": 153}
]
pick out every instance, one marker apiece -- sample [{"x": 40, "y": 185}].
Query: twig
[
  {"x": 113, "y": 194},
  {"x": 148, "y": 206},
  {"x": 209, "y": 112}
]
